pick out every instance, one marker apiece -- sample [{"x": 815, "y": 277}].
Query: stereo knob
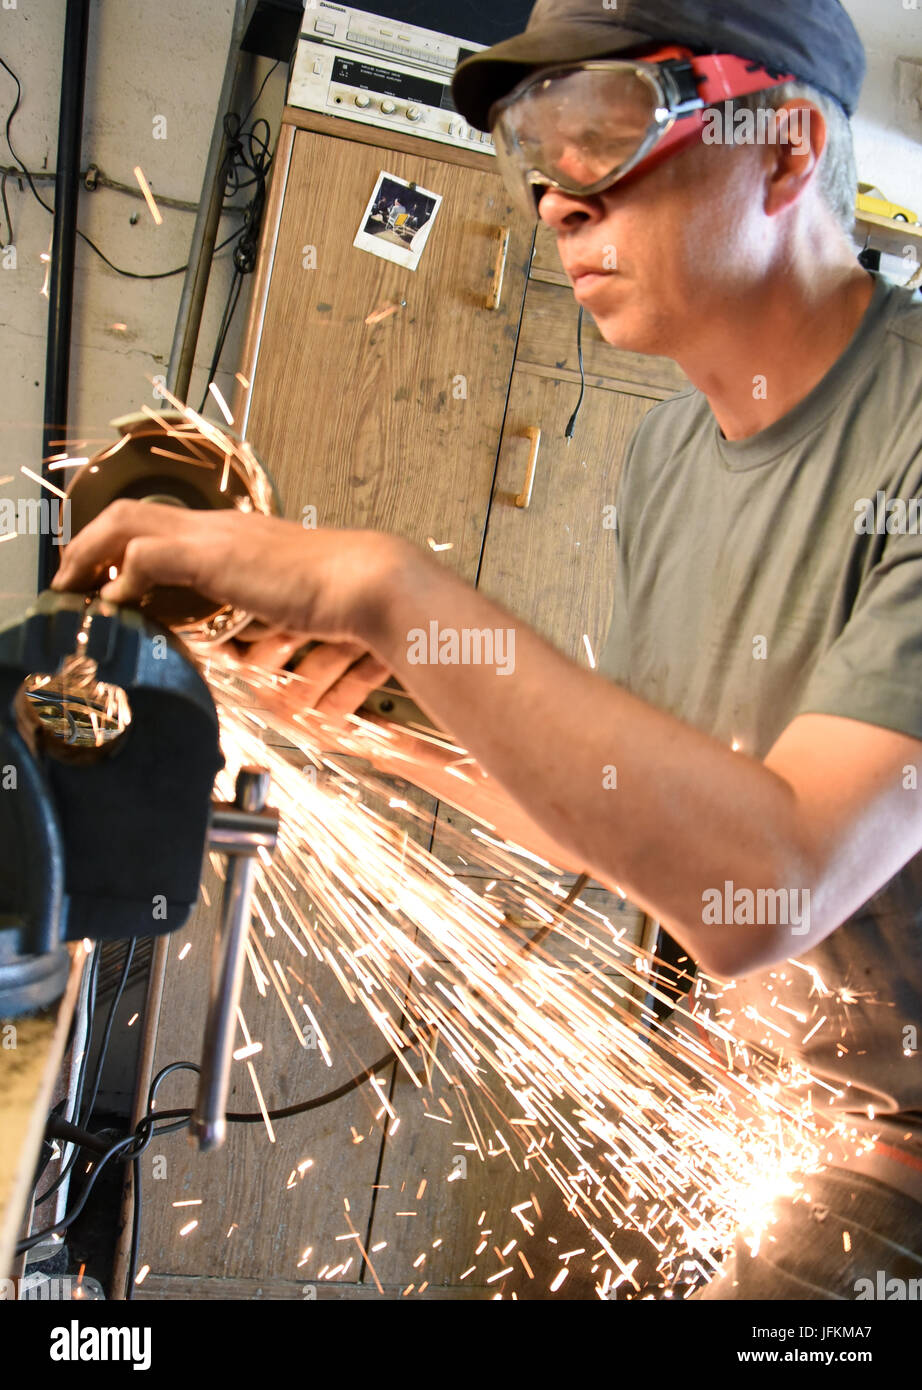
[
  {"x": 413, "y": 113},
  {"x": 362, "y": 101},
  {"x": 388, "y": 108}
]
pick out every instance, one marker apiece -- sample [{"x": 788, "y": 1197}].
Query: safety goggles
[{"x": 582, "y": 127}]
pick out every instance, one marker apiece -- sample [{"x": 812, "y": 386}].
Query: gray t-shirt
[{"x": 748, "y": 591}]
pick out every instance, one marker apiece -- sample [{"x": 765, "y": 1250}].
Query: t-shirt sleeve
[{"x": 873, "y": 670}]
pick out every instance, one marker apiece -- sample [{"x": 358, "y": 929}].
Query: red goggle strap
[
  {"x": 725, "y": 75},
  {"x": 729, "y": 77}
]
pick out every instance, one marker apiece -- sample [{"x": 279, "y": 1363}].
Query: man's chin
[{"x": 627, "y": 331}]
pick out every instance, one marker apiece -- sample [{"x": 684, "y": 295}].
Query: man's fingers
[
  {"x": 147, "y": 562},
  {"x": 274, "y": 650},
  {"x": 352, "y": 689},
  {"x": 324, "y": 665},
  {"x": 104, "y": 541}
]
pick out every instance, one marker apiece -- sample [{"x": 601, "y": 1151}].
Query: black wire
[
  {"x": 82, "y": 1113},
  {"x": 568, "y": 433},
  {"x": 146, "y": 1122},
  {"x": 6, "y": 211},
  {"x": 62, "y": 1225},
  {"x": 248, "y": 152},
  {"x": 146, "y": 1130},
  {"x": 262, "y": 86},
  {"x": 107, "y": 1033},
  {"x": 135, "y": 1230},
  {"x": 128, "y": 274},
  {"x": 230, "y": 307},
  {"x": 81, "y": 1078},
  {"x": 136, "y": 1175}
]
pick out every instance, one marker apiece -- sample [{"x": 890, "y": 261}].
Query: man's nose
[{"x": 564, "y": 211}]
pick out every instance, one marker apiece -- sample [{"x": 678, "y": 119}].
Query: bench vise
[{"x": 108, "y": 841}]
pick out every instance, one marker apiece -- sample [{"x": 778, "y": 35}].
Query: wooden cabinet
[
  {"x": 390, "y": 424},
  {"x": 419, "y": 422}
]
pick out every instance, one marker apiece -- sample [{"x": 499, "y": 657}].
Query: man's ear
[{"x": 799, "y": 136}]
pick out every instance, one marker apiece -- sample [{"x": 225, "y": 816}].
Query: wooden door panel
[
  {"x": 552, "y": 563},
  {"x": 256, "y": 1220},
  {"x": 391, "y": 425}
]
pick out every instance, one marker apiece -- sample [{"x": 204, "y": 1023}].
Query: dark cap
[{"x": 813, "y": 39}]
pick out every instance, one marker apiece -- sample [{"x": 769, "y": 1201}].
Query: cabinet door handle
[
  {"x": 534, "y": 434},
  {"x": 499, "y": 271}
]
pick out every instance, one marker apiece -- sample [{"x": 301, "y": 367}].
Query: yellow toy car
[{"x": 870, "y": 199}]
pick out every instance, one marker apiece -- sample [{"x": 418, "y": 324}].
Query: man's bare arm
[{"x": 825, "y": 813}]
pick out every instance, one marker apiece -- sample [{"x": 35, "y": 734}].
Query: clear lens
[{"x": 577, "y": 129}]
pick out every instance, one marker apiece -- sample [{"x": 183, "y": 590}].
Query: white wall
[{"x": 888, "y": 134}]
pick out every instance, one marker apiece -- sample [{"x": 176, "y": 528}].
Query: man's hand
[
  {"x": 333, "y": 677},
  {"x": 330, "y": 585},
  {"x": 322, "y": 583}
]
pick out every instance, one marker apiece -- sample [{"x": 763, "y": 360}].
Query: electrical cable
[
  {"x": 262, "y": 87},
  {"x": 6, "y": 212},
  {"x": 146, "y": 1122},
  {"x": 128, "y": 274},
  {"x": 82, "y": 1113},
  {"x": 107, "y": 1032},
  {"x": 568, "y": 432},
  {"x": 247, "y": 151},
  {"x": 81, "y": 1077}
]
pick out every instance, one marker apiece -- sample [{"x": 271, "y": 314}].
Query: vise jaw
[{"x": 108, "y": 844}]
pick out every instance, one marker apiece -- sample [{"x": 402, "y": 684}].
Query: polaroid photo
[{"x": 397, "y": 221}]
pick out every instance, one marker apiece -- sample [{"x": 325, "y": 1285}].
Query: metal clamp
[{"x": 239, "y": 831}]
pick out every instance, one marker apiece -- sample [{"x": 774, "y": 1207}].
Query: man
[{"x": 764, "y": 706}]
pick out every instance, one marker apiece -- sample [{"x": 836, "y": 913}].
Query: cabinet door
[
  {"x": 552, "y": 562},
  {"x": 391, "y": 424}
]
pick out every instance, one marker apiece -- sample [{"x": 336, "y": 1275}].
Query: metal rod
[
  {"x": 205, "y": 232},
  {"x": 233, "y": 831},
  {"x": 208, "y": 1125},
  {"x": 63, "y": 249}
]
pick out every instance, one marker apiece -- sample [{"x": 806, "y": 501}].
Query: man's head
[{"x": 753, "y": 180}]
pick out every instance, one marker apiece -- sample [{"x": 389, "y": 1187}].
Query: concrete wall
[
  {"x": 145, "y": 60},
  {"x": 167, "y": 59}
]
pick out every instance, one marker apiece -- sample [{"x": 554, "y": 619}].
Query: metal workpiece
[
  {"x": 240, "y": 830},
  {"x": 168, "y": 460}
]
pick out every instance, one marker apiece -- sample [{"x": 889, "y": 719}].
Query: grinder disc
[{"x": 160, "y": 459}]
